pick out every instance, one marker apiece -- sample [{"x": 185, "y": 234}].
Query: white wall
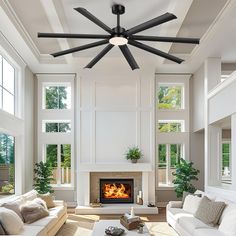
[{"x": 29, "y": 119}]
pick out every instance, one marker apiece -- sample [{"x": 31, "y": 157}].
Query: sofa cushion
[
  {"x": 191, "y": 204},
  {"x": 58, "y": 211},
  {"x": 15, "y": 206},
  {"x": 228, "y": 225},
  {"x": 10, "y": 221},
  {"x": 229, "y": 207},
  {"x": 29, "y": 230},
  {"x": 30, "y": 196},
  {"x": 208, "y": 232},
  {"x": 209, "y": 211},
  {"x": 47, "y": 222},
  {"x": 32, "y": 212},
  {"x": 190, "y": 223}
]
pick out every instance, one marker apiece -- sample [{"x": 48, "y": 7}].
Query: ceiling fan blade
[
  {"x": 94, "y": 19},
  {"x": 99, "y": 56},
  {"x": 155, "y": 51},
  {"x": 75, "y": 36},
  {"x": 129, "y": 57},
  {"x": 80, "y": 48},
  {"x": 151, "y": 23},
  {"x": 165, "y": 39}
]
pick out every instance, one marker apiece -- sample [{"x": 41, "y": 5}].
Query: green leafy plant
[
  {"x": 183, "y": 176},
  {"x": 43, "y": 177},
  {"x": 133, "y": 153},
  {"x": 8, "y": 188}
]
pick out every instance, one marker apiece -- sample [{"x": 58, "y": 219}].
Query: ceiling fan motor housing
[{"x": 118, "y": 9}]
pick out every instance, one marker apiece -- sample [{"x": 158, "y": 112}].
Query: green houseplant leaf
[
  {"x": 133, "y": 153},
  {"x": 43, "y": 178},
  {"x": 183, "y": 176}
]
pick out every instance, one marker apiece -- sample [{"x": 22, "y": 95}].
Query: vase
[{"x": 134, "y": 160}]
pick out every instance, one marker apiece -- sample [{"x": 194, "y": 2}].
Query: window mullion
[
  {"x": 58, "y": 164},
  {"x": 168, "y": 163}
]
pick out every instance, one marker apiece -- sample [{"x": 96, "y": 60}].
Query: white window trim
[
  {"x": 14, "y": 124},
  {"x": 56, "y": 138}
]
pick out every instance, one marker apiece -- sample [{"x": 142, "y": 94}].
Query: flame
[{"x": 114, "y": 191}]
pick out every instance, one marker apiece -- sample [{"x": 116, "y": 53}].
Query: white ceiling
[{"x": 196, "y": 18}]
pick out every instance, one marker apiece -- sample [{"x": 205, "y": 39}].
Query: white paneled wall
[{"x": 115, "y": 113}]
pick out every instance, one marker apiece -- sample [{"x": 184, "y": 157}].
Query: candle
[
  {"x": 132, "y": 212},
  {"x": 140, "y": 194},
  {"x": 137, "y": 198}
]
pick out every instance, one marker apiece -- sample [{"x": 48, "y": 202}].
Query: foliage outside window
[
  {"x": 57, "y": 97},
  {"x": 7, "y": 86},
  {"x": 226, "y": 163},
  {"x": 168, "y": 156},
  {"x": 7, "y": 164},
  {"x": 57, "y": 127},
  {"x": 171, "y": 126},
  {"x": 170, "y": 97},
  {"x": 59, "y": 158}
]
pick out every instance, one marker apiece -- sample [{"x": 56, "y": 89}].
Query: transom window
[
  {"x": 59, "y": 158},
  {"x": 7, "y": 164},
  {"x": 7, "y": 86},
  {"x": 170, "y": 126},
  {"x": 56, "y": 126},
  {"x": 167, "y": 157},
  {"x": 57, "y": 97},
  {"x": 170, "y": 97}
]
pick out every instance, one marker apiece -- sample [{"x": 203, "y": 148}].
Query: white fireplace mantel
[{"x": 116, "y": 167}]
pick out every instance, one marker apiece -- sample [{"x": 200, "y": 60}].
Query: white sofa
[
  {"x": 187, "y": 225},
  {"x": 47, "y": 226}
]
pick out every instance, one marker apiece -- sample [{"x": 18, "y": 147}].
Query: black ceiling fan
[{"x": 119, "y": 36}]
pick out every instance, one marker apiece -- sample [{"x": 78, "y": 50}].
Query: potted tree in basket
[
  {"x": 133, "y": 154},
  {"x": 183, "y": 176}
]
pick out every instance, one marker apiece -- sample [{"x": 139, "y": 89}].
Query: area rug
[{"x": 83, "y": 226}]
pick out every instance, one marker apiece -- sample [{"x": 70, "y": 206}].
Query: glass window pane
[
  {"x": 8, "y": 76},
  {"x": 51, "y": 157},
  {"x": 51, "y": 127},
  {"x": 161, "y": 154},
  {"x": 164, "y": 127},
  {"x": 169, "y": 97},
  {"x": 175, "y": 154},
  {"x": 7, "y": 164},
  {"x": 66, "y": 163},
  {"x": 64, "y": 127},
  {"x": 226, "y": 163},
  {"x": 64, "y": 97},
  {"x": 51, "y": 100},
  {"x": 8, "y": 102}
]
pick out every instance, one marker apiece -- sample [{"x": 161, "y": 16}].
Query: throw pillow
[
  {"x": 14, "y": 206},
  {"x": 185, "y": 194},
  {"x": 209, "y": 211},
  {"x": 32, "y": 212},
  {"x": 48, "y": 199},
  {"x": 228, "y": 226},
  {"x": 191, "y": 204},
  {"x": 10, "y": 221},
  {"x": 41, "y": 202},
  {"x": 2, "y": 231}
]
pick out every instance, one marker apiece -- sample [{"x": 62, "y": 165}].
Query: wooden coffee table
[{"x": 100, "y": 226}]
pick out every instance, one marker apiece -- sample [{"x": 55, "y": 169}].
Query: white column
[{"x": 83, "y": 188}]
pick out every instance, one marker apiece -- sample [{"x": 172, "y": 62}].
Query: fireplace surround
[{"x": 116, "y": 190}]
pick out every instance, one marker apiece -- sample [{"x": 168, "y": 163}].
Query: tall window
[
  {"x": 226, "y": 163},
  {"x": 168, "y": 156},
  {"x": 7, "y": 164},
  {"x": 7, "y": 86},
  {"x": 170, "y": 97},
  {"x": 59, "y": 158}
]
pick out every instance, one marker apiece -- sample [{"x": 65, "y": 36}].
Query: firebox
[{"x": 116, "y": 190}]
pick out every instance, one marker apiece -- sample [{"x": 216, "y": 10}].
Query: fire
[{"x": 114, "y": 191}]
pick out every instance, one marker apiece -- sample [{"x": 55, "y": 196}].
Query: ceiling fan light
[{"x": 118, "y": 41}]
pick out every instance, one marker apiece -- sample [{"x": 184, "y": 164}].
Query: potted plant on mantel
[{"x": 133, "y": 154}]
